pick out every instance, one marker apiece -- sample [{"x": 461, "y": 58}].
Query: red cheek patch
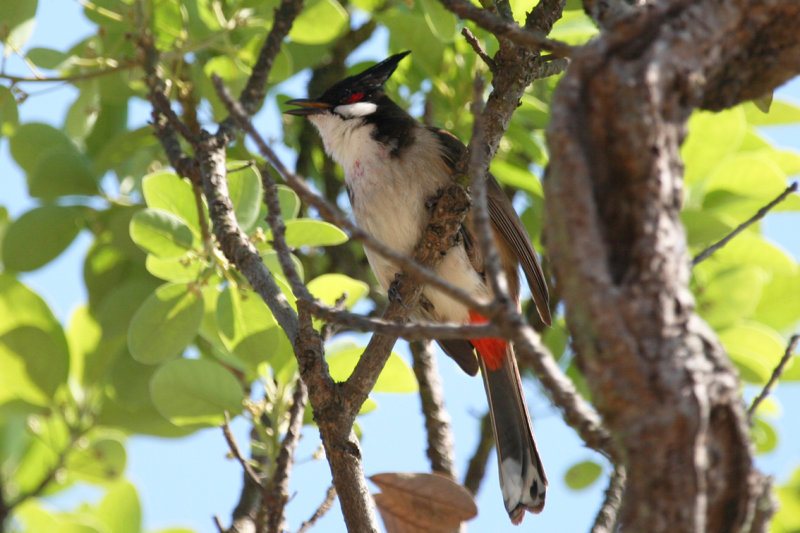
[{"x": 355, "y": 98}]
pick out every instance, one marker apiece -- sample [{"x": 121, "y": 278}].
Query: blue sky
[{"x": 185, "y": 482}]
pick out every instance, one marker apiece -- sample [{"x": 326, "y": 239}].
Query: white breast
[{"x": 388, "y": 196}]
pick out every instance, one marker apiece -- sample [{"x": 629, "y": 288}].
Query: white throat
[{"x": 356, "y": 110}]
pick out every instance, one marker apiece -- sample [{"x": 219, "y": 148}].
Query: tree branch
[
  {"x": 476, "y": 470},
  {"x": 761, "y": 213},
  {"x": 606, "y": 520},
  {"x": 440, "y": 451},
  {"x": 277, "y": 495},
  {"x": 659, "y": 377},
  {"x": 776, "y": 375}
]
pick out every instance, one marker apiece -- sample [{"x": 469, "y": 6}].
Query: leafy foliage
[{"x": 171, "y": 336}]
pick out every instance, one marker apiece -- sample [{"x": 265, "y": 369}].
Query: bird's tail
[{"x": 522, "y": 477}]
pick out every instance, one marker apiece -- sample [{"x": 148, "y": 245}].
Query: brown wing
[{"x": 508, "y": 230}]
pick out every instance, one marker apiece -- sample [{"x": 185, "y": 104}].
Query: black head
[{"x": 365, "y": 87}]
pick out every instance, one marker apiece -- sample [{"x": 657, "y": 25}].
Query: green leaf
[
  {"x": 103, "y": 460},
  {"x": 732, "y": 294},
  {"x": 240, "y": 314},
  {"x": 704, "y": 227},
  {"x": 290, "y": 202},
  {"x": 787, "y": 519},
  {"x": 396, "y": 376},
  {"x": 764, "y": 435},
  {"x": 167, "y": 191},
  {"x": 556, "y": 338},
  {"x": 34, "y": 517},
  {"x": 270, "y": 258},
  {"x": 185, "y": 269},
  {"x": 161, "y": 233},
  {"x": 62, "y": 172},
  {"x": 46, "y": 58},
  {"x": 779, "y": 306},
  {"x": 751, "y": 175},
  {"x": 111, "y": 124},
  {"x": 20, "y": 306},
  {"x": 712, "y": 136},
  {"x": 582, "y": 475},
  {"x": 33, "y": 364},
  {"x": 165, "y": 323},
  {"x": 754, "y": 348},
  {"x": 244, "y": 186},
  {"x": 508, "y": 174},
  {"x": 780, "y": 113},
  {"x": 406, "y": 33},
  {"x": 752, "y": 249},
  {"x": 310, "y": 232},
  {"x": 17, "y": 20},
  {"x": 27, "y": 142},
  {"x": 120, "y": 510},
  {"x": 46, "y": 438},
  {"x": 82, "y": 114},
  {"x": 83, "y": 338},
  {"x": 330, "y": 287},
  {"x": 9, "y": 116},
  {"x": 320, "y": 22},
  {"x": 441, "y": 22},
  {"x": 574, "y": 27},
  {"x": 195, "y": 392},
  {"x": 40, "y": 235}
]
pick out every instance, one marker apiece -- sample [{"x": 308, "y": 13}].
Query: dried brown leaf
[{"x": 422, "y": 503}]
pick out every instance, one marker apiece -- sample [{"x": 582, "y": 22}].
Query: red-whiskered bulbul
[{"x": 392, "y": 166}]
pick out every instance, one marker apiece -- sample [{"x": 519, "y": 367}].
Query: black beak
[{"x": 307, "y": 107}]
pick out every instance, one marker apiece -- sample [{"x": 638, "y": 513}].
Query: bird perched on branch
[{"x": 392, "y": 166}]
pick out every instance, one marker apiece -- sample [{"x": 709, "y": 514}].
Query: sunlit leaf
[
  {"x": 582, "y": 475},
  {"x": 330, "y": 287},
  {"x": 309, "y": 232},
  {"x": 764, "y": 435},
  {"x": 51, "y": 227},
  {"x": 396, "y": 376},
  {"x": 161, "y": 233},
  {"x": 17, "y": 20},
  {"x": 167, "y": 191},
  {"x": 195, "y": 392},
  {"x": 755, "y": 348},
  {"x": 165, "y": 323},
  {"x": 120, "y": 510},
  {"x": 711, "y": 137},
  {"x": 244, "y": 185},
  {"x": 103, "y": 460},
  {"x": 320, "y": 22}
]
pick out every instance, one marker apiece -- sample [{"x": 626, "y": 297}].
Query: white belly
[{"x": 388, "y": 201}]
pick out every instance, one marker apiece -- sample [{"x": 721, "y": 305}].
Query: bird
[{"x": 393, "y": 165}]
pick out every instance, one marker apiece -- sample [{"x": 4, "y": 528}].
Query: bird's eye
[{"x": 355, "y": 97}]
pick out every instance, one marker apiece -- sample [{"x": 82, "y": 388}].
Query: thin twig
[
  {"x": 278, "y": 493},
  {"x": 776, "y": 375},
  {"x": 487, "y": 20},
  {"x": 73, "y": 77},
  {"x": 476, "y": 470},
  {"x": 410, "y": 331},
  {"x": 478, "y": 47},
  {"x": 441, "y": 452},
  {"x": 219, "y": 525},
  {"x": 226, "y": 431},
  {"x": 324, "y": 507},
  {"x": 755, "y": 218},
  {"x": 606, "y": 520}
]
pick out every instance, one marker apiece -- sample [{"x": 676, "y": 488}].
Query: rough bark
[{"x": 662, "y": 382}]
